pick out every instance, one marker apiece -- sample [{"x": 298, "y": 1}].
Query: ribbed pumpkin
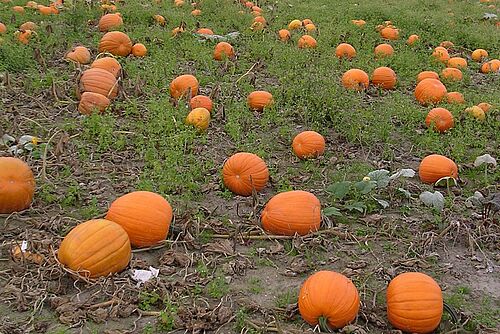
[
  {"x": 457, "y": 62},
  {"x": 412, "y": 39},
  {"x": 110, "y": 21},
  {"x": 116, "y": 43},
  {"x": 479, "y": 54},
  {"x": 308, "y": 144},
  {"x": 451, "y": 74},
  {"x": 427, "y": 75},
  {"x": 17, "y": 185},
  {"x": 243, "y": 172},
  {"x": 90, "y": 102},
  {"x": 199, "y": 118},
  {"x": 295, "y": 24},
  {"x": 201, "y": 101},
  {"x": 205, "y": 31},
  {"x": 292, "y": 212},
  {"x": 139, "y": 50},
  {"x": 384, "y": 77},
  {"x": 389, "y": 33},
  {"x": 414, "y": 303},
  {"x": 284, "y": 35},
  {"x": 434, "y": 167},
  {"x": 184, "y": 84},
  {"x": 223, "y": 50},
  {"x": 485, "y": 106},
  {"x": 455, "y": 97},
  {"x": 440, "y": 119},
  {"x": 259, "y": 100},
  {"x": 95, "y": 248},
  {"x": 355, "y": 79},
  {"x": 146, "y": 216},
  {"x": 441, "y": 54},
  {"x": 430, "y": 91},
  {"x": 79, "y": 54},
  {"x": 99, "y": 81},
  {"x": 28, "y": 26},
  {"x": 307, "y": 42},
  {"x": 476, "y": 112},
  {"x": 330, "y": 298},
  {"x": 491, "y": 66},
  {"x": 345, "y": 50},
  {"x": 383, "y": 50},
  {"x": 109, "y": 64}
]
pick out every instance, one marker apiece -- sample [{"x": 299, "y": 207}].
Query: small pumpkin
[
  {"x": 145, "y": 216},
  {"x": 284, "y": 35},
  {"x": 109, "y": 64},
  {"x": 329, "y": 299},
  {"x": 384, "y": 77},
  {"x": 295, "y": 24},
  {"x": 491, "y": 66},
  {"x": 258, "y": 100},
  {"x": 19, "y": 9},
  {"x": 99, "y": 81},
  {"x": 17, "y": 185},
  {"x": 384, "y": 50},
  {"x": 245, "y": 172},
  {"x": 446, "y": 44},
  {"x": 440, "y": 119},
  {"x": 32, "y": 5},
  {"x": 260, "y": 19},
  {"x": 434, "y": 167},
  {"x": 182, "y": 85},
  {"x": 306, "y": 22},
  {"x": 389, "y": 33},
  {"x": 45, "y": 10},
  {"x": 308, "y": 144},
  {"x": 455, "y": 97},
  {"x": 3, "y": 28},
  {"x": 485, "y": 106},
  {"x": 310, "y": 27},
  {"x": 359, "y": 23},
  {"x": 412, "y": 39},
  {"x": 79, "y": 54},
  {"x": 110, "y": 21},
  {"x": 205, "y": 31},
  {"x": 430, "y": 91},
  {"x": 223, "y": 50},
  {"x": 160, "y": 19},
  {"x": 476, "y": 112},
  {"x": 199, "y": 118},
  {"x": 196, "y": 12},
  {"x": 451, "y": 74},
  {"x": 345, "y": 50},
  {"x": 441, "y": 54},
  {"x": 355, "y": 79},
  {"x": 457, "y": 62},
  {"x": 307, "y": 42},
  {"x": 427, "y": 75},
  {"x": 24, "y": 36},
  {"x": 28, "y": 26},
  {"x": 139, "y": 50},
  {"x": 116, "y": 43},
  {"x": 201, "y": 101},
  {"x": 90, "y": 102},
  {"x": 479, "y": 54},
  {"x": 414, "y": 303},
  {"x": 95, "y": 248}
]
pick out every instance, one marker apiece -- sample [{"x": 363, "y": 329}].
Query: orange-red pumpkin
[
  {"x": 110, "y": 21},
  {"x": 258, "y": 100},
  {"x": 90, "y": 102},
  {"x": 201, "y": 101},
  {"x": 345, "y": 50},
  {"x": 284, "y": 35},
  {"x": 434, "y": 167},
  {"x": 79, "y": 54},
  {"x": 430, "y": 91},
  {"x": 389, "y": 33},
  {"x": 244, "y": 172},
  {"x": 384, "y": 77},
  {"x": 412, "y": 39},
  {"x": 116, "y": 43},
  {"x": 455, "y": 97},
  {"x": 184, "y": 84},
  {"x": 99, "y": 81},
  {"x": 457, "y": 62},
  {"x": 491, "y": 66},
  {"x": 451, "y": 74},
  {"x": 384, "y": 50},
  {"x": 479, "y": 55},
  {"x": 355, "y": 79},
  {"x": 308, "y": 144},
  {"x": 3, "y": 28},
  {"x": 307, "y": 42},
  {"x": 205, "y": 31},
  {"x": 223, "y": 50},
  {"x": 440, "y": 119},
  {"x": 17, "y": 185},
  {"x": 139, "y": 50},
  {"x": 109, "y": 64}
]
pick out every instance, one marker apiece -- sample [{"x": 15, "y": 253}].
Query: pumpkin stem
[{"x": 323, "y": 324}]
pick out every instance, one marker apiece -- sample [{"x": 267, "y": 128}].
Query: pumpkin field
[{"x": 266, "y": 166}]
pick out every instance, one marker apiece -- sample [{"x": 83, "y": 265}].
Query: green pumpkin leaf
[
  {"x": 332, "y": 211},
  {"x": 340, "y": 189}
]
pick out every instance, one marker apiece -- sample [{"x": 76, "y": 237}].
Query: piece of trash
[
  {"x": 142, "y": 276},
  {"x": 20, "y": 253}
]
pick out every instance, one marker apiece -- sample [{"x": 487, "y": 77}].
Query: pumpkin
[
  {"x": 139, "y": 50},
  {"x": 109, "y": 64},
  {"x": 196, "y": 12},
  {"x": 159, "y": 19},
  {"x": 359, "y": 23},
  {"x": 295, "y": 24},
  {"x": 457, "y": 62},
  {"x": 345, "y": 50},
  {"x": 24, "y": 36},
  {"x": 306, "y": 22},
  {"x": 434, "y": 167},
  {"x": 479, "y": 54},
  {"x": 310, "y": 27},
  {"x": 79, "y": 54},
  {"x": 384, "y": 77},
  {"x": 32, "y": 5},
  {"x": 430, "y": 91},
  {"x": 307, "y": 42},
  {"x": 260, "y": 19},
  {"x": 389, "y": 33},
  {"x": 485, "y": 106},
  {"x": 116, "y": 43},
  {"x": 99, "y": 81},
  {"x": 95, "y": 248},
  {"x": 223, "y": 50},
  {"x": 3, "y": 28},
  {"x": 455, "y": 97},
  {"x": 205, "y": 31},
  {"x": 45, "y": 10},
  {"x": 145, "y": 216},
  {"x": 19, "y": 9},
  {"x": 414, "y": 303},
  {"x": 441, "y": 54},
  {"x": 451, "y": 74},
  {"x": 257, "y": 26},
  {"x": 182, "y": 85},
  {"x": 440, "y": 119},
  {"x": 110, "y": 21},
  {"x": 427, "y": 75},
  {"x": 201, "y": 101},
  {"x": 355, "y": 79},
  {"x": 308, "y": 144},
  {"x": 17, "y": 185},
  {"x": 476, "y": 112},
  {"x": 179, "y": 3},
  {"x": 446, "y": 44},
  {"x": 90, "y": 102},
  {"x": 292, "y": 212},
  {"x": 249, "y": 4},
  {"x": 412, "y": 39},
  {"x": 245, "y": 172},
  {"x": 256, "y": 9},
  {"x": 258, "y": 100},
  {"x": 284, "y": 35},
  {"x": 199, "y": 118},
  {"x": 383, "y": 50},
  {"x": 28, "y": 26},
  {"x": 329, "y": 299},
  {"x": 491, "y": 66}
]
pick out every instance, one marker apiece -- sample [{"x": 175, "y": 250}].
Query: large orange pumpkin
[
  {"x": 184, "y": 84},
  {"x": 146, "y": 216},
  {"x": 90, "y": 102},
  {"x": 327, "y": 297},
  {"x": 243, "y": 172},
  {"x": 389, "y": 33},
  {"x": 355, "y": 79},
  {"x": 79, "y": 54},
  {"x": 384, "y": 50},
  {"x": 110, "y": 21},
  {"x": 308, "y": 144},
  {"x": 116, "y": 43},
  {"x": 491, "y": 66},
  {"x": 17, "y": 185},
  {"x": 345, "y": 50},
  {"x": 384, "y": 77},
  {"x": 258, "y": 100},
  {"x": 434, "y": 167},
  {"x": 414, "y": 303},
  {"x": 99, "y": 81},
  {"x": 292, "y": 212},
  {"x": 109, "y": 64},
  {"x": 427, "y": 75},
  {"x": 429, "y": 91},
  {"x": 451, "y": 74},
  {"x": 457, "y": 62},
  {"x": 95, "y": 248},
  {"x": 440, "y": 119},
  {"x": 223, "y": 50}
]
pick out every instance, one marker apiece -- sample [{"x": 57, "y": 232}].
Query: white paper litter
[
  {"x": 142, "y": 276},
  {"x": 24, "y": 246}
]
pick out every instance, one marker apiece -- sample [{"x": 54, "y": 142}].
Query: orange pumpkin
[
  {"x": 45, "y": 10},
  {"x": 384, "y": 77},
  {"x": 199, "y": 118},
  {"x": 345, "y": 50},
  {"x": 196, "y": 12},
  {"x": 19, "y": 9},
  {"x": 28, "y": 26},
  {"x": 434, "y": 167},
  {"x": 32, "y": 5},
  {"x": 292, "y": 212},
  {"x": 79, "y": 54},
  {"x": 258, "y": 100},
  {"x": 109, "y": 64},
  {"x": 479, "y": 54},
  {"x": 201, "y": 101},
  {"x": 491, "y": 66},
  {"x": 430, "y": 91},
  {"x": 116, "y": 43},
  {"x": 446, "y": 44},
  {"x": 441, "y": 54},
  {"x": 3, "y": 28},
  {"x": 427, "y": 75},
  {"x": 145, "y": 216},
  {"x": 223, "y": 50},
  {"x": 95, "y": 248},
  {"x": 260, "y": 19},
  {"x": 99, "y": 81},
  {"x": 355, "y": 79},
  {"x": 24, "y": 36},
  {"x": 328, "y": 298},
  {"x": 295, "y": 24},
  {"x": 389, "y": 33},
  {"x": 455, "y": 97},
  {"x": 160, "y": 19},
  {"x": 17, "y": 185},
  {"x": 440, "y": 119},
  {"x": 451, "y": 74},
  {"x": 310, "y": 27},
  {"x": 359, "y": 23},
  {"x": 306, "y": 22},
  {"x": 245, "y": 172},
  {"x": 384, "y": 50},
  {"x": 185, "y": 84},
  {"x": 412, "y": 39},
  {"x": 457, "y": 62},
  {"x": 414, "y": 303},
  {"x": 307, "y": 42},
  {"x": 139, "y": 50},
  {"x": 110, "y": 21},
  {"x": 308, "y": 144},
  {"x": 205, "y": 31},
  {"x": 90, "y": 102},
  {"x": 284, "y": 35},
  {"x": 485, "y": 106}
]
